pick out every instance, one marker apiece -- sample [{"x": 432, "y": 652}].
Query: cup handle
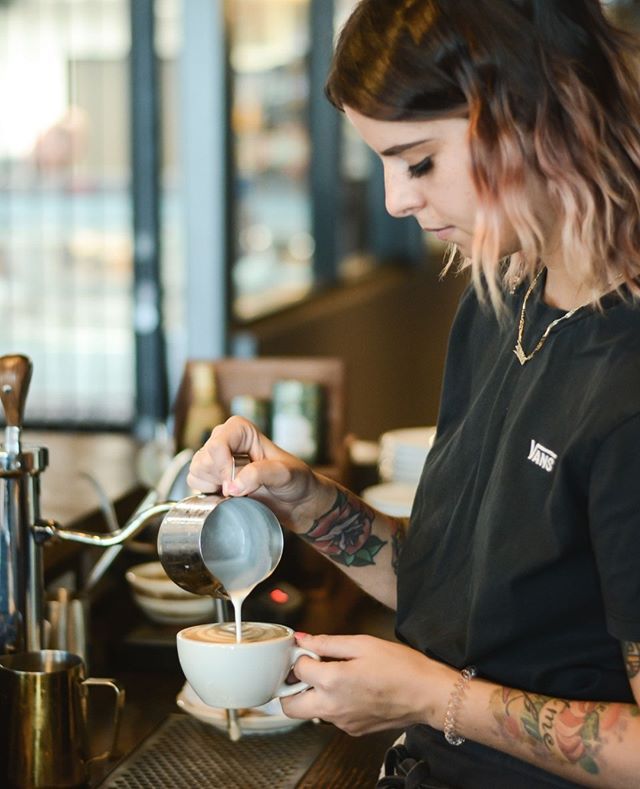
[
  {"x": 117, "y": 713},
  {"x": 296, "y": 687}
]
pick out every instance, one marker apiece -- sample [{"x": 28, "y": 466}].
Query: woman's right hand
[{"x": 280, "y": 480}]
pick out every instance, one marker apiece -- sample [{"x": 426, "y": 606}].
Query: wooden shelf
[{"x": 256, "y": 377}]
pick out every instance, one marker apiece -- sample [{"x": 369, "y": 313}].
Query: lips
[{"x": 441, "y": 232}]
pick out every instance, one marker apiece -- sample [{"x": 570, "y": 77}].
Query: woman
[{"x": 510, "y": 129}]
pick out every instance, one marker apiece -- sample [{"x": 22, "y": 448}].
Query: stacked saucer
[
  {"x": 403, "y": 452},
  {"x": 401, "y": 458},
  {"x": 392, "y": 498}
]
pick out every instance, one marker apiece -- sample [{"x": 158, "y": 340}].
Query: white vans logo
[{"x": 542, "y": 456}]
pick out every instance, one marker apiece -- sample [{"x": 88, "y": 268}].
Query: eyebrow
[{"x": 396, "y": 149}]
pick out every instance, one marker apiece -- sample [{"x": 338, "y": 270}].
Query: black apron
[{"x": 427, "y": 761}]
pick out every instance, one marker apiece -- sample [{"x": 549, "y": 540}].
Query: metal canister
[{"x": 296, "y": 423}]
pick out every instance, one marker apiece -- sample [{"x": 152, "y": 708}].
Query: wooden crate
[{"x": 256, "y": 377}]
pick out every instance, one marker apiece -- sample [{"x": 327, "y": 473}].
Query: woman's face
[{"x": 427, "y": 174}]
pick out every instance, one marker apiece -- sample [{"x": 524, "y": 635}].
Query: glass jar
[{"x": 296, "y": 424}]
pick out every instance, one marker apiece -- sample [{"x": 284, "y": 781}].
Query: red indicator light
[{"x": 278, "y": 596}]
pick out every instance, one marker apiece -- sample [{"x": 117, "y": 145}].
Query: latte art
[{"x": 225, "y": 632}]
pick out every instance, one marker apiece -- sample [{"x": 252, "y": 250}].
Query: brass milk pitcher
[{"x": 43, "y": 724}]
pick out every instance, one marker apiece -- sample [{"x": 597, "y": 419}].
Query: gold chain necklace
[{"x": 523, "y": 357}]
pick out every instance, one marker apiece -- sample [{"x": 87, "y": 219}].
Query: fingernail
[
  {"x": 235, "y": 487},
  {"x": 300, "y": 636}
]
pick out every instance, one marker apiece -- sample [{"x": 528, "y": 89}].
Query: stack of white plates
[
  {"x": 392, "y": 498},
  {"x": 403, "y": 452}
]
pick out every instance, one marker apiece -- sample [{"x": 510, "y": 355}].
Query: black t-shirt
[{"x": 523, "y": 552}]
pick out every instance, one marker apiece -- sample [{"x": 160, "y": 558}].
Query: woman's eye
[{"x": 422, "y": 168}]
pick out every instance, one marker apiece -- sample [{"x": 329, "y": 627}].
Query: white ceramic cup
[{"x": 241, "y": 674}]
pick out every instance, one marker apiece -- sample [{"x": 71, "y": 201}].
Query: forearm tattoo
[
  {"x": 343, "y": 533},
  {"x": 397, "y": 542},
  {"x": 631, "y": 652},
  {"x": 570, "y": 732}
]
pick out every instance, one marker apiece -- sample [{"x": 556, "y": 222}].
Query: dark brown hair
[{"x": 548, "y": 86}]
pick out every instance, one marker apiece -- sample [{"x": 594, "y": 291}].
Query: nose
[{"x": 403, "y": 196}]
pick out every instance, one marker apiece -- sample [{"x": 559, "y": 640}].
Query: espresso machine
[{"x": 23, "y": 531}]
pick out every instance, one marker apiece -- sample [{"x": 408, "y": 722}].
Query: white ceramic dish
[
  {"x": 151, "y": 580},
  {"x": 409, "y": 437},
  {"x": 403, "y": 452},
  {"x": 392, "y": 498},
  {"x": 179, "y": 612},
  {"x": 268, "y": 718}
]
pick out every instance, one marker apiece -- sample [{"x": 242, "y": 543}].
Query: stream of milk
[{"x": 239, "y": 576}]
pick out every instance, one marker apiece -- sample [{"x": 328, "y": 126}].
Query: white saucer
[
  {"x": 268, "y": 718},
  {"x": 392, "y": 498}
]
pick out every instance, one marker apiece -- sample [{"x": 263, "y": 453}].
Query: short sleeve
[{"x": 614, "y": 522}]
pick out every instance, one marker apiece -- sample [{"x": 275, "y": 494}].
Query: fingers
[
  {"x": 311, "y": 703},
  {"x": 319, "y": 701},
  {"x": 280, "y": 480},
  {"x": 339, "y": 647},
  {"x": 212, "y": 464},
  {"x": 270, "y": 474},
  {"x": 303, "y": 706},
  {"x": 322, "y": 677}
]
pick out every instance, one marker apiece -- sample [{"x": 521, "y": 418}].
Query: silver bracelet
[{"x": 455, "y": 702}]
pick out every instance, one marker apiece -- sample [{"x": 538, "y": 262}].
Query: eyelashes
[{"x": 421, "y": 168}]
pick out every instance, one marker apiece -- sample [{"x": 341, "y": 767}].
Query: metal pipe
[
  {"x": 34, "y": 582},
  {"x": 47, "y": 529}
]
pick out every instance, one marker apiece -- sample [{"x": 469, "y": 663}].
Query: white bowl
[
  {"x": 179, "y": 612},
  {"x": 150, "y": 579}
]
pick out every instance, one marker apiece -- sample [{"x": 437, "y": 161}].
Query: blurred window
[
  {"x": 273, "y": 244},
  {"x": 309, "y": 210},
  {"x": 66, "y": 272},
  {"x": 65, "y": 246}
]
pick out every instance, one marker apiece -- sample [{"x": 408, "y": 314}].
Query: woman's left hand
[{"x": 367, "y": 684}]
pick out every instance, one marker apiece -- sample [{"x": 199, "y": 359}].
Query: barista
[{"x": 509, "y": 128}]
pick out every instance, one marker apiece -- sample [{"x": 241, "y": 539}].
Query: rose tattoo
[{"x": 344, "y": 533}]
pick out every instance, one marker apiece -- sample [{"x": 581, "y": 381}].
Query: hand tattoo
[{"x": 344, "y": 532}]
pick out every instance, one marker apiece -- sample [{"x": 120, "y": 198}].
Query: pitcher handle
[{"x": 117, "y": 713}]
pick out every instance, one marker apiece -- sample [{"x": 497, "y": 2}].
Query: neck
[
  {"x": 564, "y": 288},
  {"x": 562, "y": 291}
]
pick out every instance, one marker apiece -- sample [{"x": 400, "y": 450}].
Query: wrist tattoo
[
  {"x": 568, "y": 731},
  {"x": 343, "y": 533},
  {"x": 631, "y": 651}
]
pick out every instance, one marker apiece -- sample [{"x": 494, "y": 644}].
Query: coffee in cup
[
  {"x": 240, "y": 674},
  {"x": 225, "y": 632}
]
